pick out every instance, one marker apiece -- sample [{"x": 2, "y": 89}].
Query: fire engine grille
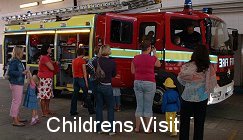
[{"x": 225, "y": 78}]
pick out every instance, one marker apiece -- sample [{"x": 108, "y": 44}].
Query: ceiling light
[
  {"x": 26, "y": 5},
  {"x": 73, "y": 31},
  {"x": 40, "y": 32},
  {"x": 50, "y": 1},
  {"x": 16, "y": 33}
]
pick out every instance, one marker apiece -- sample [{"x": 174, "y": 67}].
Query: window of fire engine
[
  {"x": 220, "y": 41},
  {"x": 147, "y": 31},
  {"x": 67, "y": 43},
  {"x": 36, "y": 41},
  {"x": 185, "y": 32},
  {"x": 121, "y": 31},
  {"x": 10, "y": 41}
]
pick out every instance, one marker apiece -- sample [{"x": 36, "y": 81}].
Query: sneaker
[
  {"x": 100, "y": 132},
  {"x": 92, "y": 112},
  {"x": 33, "y": 122},
  {"x": 173, "y": 134},
  {"x": 112, "y": 133},
  {"x": 74, "y": 114}
]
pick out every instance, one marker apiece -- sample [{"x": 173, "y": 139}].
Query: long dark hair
[
  {"x": 44, "y": 49},
  {"x": 145, "y": 45},
  {"x": 201, "y": 57}
]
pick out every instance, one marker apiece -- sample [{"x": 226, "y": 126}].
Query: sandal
[
  {"x": 44, "y": 115},
  {"x": 50, "y": 113},
  {"x": 135, "y": 131},
  {"x": 23, "y": 120},
  {"x": 18, "y": 125},
  {"x": 150, "y": 131}
]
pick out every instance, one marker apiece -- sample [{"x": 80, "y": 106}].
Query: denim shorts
[{"x": 144, "y": 91}]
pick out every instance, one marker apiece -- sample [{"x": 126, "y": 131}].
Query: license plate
[{"x": 229, "y": 89}]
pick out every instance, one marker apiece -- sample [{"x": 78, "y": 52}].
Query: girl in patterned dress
[{"x": 30, "y": 100}]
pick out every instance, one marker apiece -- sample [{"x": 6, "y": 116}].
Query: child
[
  {"x": 177, "y": 40},
  {"x": 170, "y": 104},
  {"x": 117, "y": 99},
  {"x": 30, "y": 100}
]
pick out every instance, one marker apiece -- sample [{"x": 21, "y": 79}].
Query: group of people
[
  {"x": 197, "y": 75},
  {"x": 39, "y": 85}
]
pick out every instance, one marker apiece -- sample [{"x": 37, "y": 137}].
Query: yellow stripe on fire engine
[
  {"x": 82, "y": 21},
  {"x": 181, "y": 56}
]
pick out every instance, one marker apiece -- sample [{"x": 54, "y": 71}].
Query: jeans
[
  {"x": 144, "y": 91},
  {"x": 117, "y": 101},
  {"x": 77, "y": 84},
  {"x": 104, "y": 94},
  {"x": 188, "y": 109}
]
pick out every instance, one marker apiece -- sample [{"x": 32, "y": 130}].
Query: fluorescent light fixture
[
  {"x": 50, "y": 1},
  {"x": 26, "y": 5},
  {"x": 16, "y": 33},
  {"x": 73, "y": 31},
  {"x": 40, "y": 32}
]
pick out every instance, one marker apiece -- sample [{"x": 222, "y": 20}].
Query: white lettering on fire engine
[{"x": 226, "y": 62}]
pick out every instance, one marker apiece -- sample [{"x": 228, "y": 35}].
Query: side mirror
[
  {"x": 235, "y": 39},
  {"x": 208, "y": 25}
]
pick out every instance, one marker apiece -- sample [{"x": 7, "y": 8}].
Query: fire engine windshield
[
  {"x": 220, "y": 41},
  {"x": 185, "y": 32}
]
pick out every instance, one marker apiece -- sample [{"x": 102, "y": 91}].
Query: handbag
[
  {"x": 56, "y": 68},
  {"x": 6, "y": 75},
  {"x": 99, "y": 73}
]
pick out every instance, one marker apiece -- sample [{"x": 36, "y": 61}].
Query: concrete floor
[{"x": 224, "y": 121}]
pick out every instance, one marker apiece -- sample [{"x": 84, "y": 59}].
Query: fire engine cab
[{"x": 124, "y": 32}]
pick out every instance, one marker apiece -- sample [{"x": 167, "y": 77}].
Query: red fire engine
[{"x": 124, "y": 33}]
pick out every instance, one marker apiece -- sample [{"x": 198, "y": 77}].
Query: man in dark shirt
[{"x": 189, "y": 37}]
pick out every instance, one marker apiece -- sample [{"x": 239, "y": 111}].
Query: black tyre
[{"x": 158, "y": 97}]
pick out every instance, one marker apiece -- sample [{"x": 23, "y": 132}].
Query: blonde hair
[
  {"x": 17, "y": 52},
  {"x": 105, "y": 50}
]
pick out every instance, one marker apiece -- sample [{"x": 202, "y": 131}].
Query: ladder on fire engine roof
[{"x": 102, "y": 7}]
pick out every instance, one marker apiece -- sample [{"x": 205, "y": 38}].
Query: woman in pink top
[
  {"x": 45, "y": 73},
  {"x": 144, "y": 84}
]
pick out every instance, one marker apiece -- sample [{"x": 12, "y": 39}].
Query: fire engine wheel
[{"x": 158, "y": 97}]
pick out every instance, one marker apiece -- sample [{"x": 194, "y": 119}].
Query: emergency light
[{"x": 208, "y": 10}]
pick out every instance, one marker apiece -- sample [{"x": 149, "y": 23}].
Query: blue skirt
[{"x": 30, "y": 100}]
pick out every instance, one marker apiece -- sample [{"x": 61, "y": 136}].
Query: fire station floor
[{"x": 224, "y": 121}]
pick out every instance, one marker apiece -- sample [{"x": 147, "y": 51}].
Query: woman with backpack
[
  {"x": 16, "y": 73},
  {"x": 105, "y": 69}
]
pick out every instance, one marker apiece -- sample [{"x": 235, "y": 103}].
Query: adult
[
  {"x": 189, "y": 37},
  {"x": 80, "y": 80},
  {"x": 199, "y": 79},
  {"x": 104, "y": 92},
  {"x": 45, "y": 73},
  {"x": 17, "y": 74},
  {"x": 149, "y": 36},
  {"x": 91, "y": 72},
  {"x": 144, "y": 85}
]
